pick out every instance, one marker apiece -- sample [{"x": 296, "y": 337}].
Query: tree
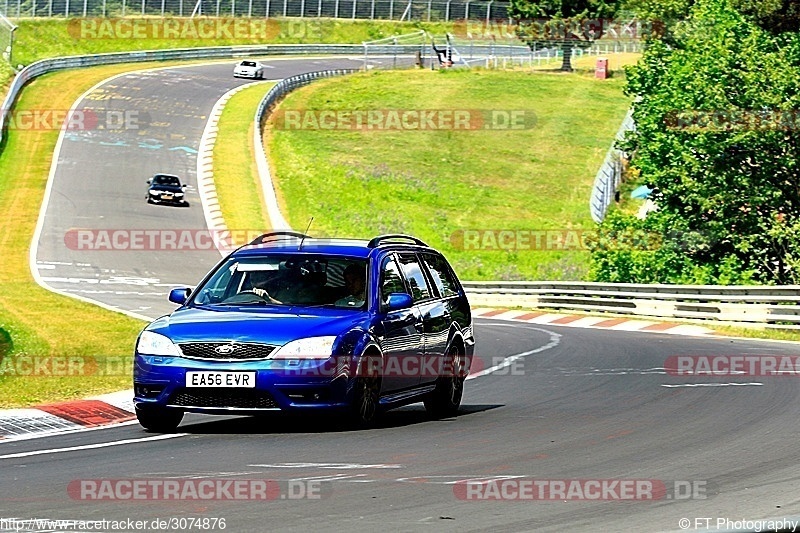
[
  {"x": 775, "y": 16},
  {"x": 563, "y": 23},
  {"x": 718, "y": 138}
]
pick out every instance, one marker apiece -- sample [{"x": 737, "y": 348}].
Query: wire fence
[{"x": 408, "y": 10}]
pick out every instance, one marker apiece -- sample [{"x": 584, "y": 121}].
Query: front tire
[
  {"x": 159, "y": 419},
  {"x": 366, "y": 395},
  {"x": 446, "y": 397}
]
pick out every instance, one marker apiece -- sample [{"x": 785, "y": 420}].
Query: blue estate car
[{"x": 296, "y": 324}]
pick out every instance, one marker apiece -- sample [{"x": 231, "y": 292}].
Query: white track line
[{"x": 91, "y": 446}]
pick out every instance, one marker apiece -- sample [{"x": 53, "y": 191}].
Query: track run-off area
[{"x": 574, "y": 409}]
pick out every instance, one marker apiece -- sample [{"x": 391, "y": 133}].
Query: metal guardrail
[
  {"x": 769, "y": 306},
  {"x": 218, "y": 52},
  {"x": 608, "y": 178}
]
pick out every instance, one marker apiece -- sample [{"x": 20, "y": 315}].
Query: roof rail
[
  {"x": 275, "y": 235},
  {"x": 381, "y": 239}
]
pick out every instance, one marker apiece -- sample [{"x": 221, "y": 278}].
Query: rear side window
[
  {"x": 415, "y": 277},
  {"x": 441, "y": 274}
]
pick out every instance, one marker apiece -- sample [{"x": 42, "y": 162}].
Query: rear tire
[
  {"x": 159, "y": 419},
  {"x": 446, "y": 397}
]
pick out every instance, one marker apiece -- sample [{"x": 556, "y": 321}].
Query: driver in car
[
  {"x": 356, "y": 284},
  {"x": 298, "y": 287}
]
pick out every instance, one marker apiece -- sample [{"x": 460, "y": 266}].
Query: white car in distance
[{"x": 249, "y": 69}]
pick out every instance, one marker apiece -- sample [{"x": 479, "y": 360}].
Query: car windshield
[
  {"x": 248, "y": 63},
  {"x": 167, "y": 180},
  {"x": 287, "y": 279}
]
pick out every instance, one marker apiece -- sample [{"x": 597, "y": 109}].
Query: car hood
[{"x": 275, "y": 326}]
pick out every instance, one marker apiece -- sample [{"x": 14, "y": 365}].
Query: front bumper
[
  {"x": 165, "y": 198},
  {"x": 281, "y": 385}
]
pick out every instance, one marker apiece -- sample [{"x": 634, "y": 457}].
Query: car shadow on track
[{"x": 278, "y": 423}]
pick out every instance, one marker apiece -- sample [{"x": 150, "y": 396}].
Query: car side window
[
  {"x": 415, "y": 277},
  {"x": 391, "y": 280},
  {"x": 442, "y": 275}
]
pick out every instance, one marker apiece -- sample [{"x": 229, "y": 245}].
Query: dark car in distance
[
  {"x": 166, "y": 189},
  {"x": 296, "y": 324}
]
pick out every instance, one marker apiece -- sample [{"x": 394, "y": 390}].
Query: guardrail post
[
  {"x": 284, "y": 7},
  {"x": 336, "y": 10},
  {"x": 489, "y": 11},
  {"x": 85, "y": 7},
  {"x": 391, "y": 9},
  {"x": 354, "y": 9}
]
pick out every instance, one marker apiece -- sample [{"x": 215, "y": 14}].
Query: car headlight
[
  {"x": 308, "y": 348},
  {"x": 156, "y": 344}
]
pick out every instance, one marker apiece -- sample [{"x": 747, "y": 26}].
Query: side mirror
[
  {"x": 398, "y": 300},
  {"x": 179, "y": 295},
  {"x": 148, "y": 182}
]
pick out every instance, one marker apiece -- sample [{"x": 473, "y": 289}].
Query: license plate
[
  {"x": 166, "y": 197},
  {"x": 245, "y": 380}
]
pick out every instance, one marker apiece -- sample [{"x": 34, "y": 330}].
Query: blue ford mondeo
[{"x": 297, "y": 324}]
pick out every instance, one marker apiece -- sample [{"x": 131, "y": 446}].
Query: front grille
[
  {"x": 226, "y": 351},
  {"x": 220, "y": 398}
]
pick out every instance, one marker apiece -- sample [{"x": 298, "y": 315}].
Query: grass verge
[
  {"x": 434, "y": 184},
  {"x": 33, "y": 321},
  {"x": 234, "y": 167}
]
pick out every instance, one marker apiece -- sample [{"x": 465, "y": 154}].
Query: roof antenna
[{"x": 305, "y": 234}]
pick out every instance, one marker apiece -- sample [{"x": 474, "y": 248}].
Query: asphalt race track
[
  {"x": 583, "y": 404},
  {"x": 99, "y": 182}
]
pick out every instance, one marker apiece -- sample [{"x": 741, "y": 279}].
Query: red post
[{"x": 601, "y": 71}]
